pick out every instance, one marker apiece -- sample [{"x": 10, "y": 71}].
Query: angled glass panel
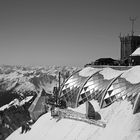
[
  {"x": 106, "y": 96},
  {"x": 71, "y": 80},
  {"x": 113, "y": 98},
  {"x": 135, "y": 93},
  {"x": 89, "y": 83},
  {"x": 135, "y": 88},
  {"x": 71, "y": 84}
]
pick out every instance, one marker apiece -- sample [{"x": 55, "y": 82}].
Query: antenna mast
[{"x": 132, "y": 20}]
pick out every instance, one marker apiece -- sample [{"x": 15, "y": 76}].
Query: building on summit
[{"x": 129, "y": 44}]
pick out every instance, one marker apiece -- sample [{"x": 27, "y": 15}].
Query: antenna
[
  {"x": 132, "y": 20},
  {"x": 120, "y": 35}
]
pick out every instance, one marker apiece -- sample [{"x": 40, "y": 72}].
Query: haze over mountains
[{"x": 20, "y": 82}]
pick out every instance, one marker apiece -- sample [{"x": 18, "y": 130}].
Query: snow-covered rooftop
[
  {"x": 88, "y": 71},
  {"x": 110, "y": 73},
  {"x": 132, "y": 75},
  {"x": 136, "y": 52}
]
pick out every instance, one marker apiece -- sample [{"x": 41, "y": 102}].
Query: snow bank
[
  {"x": 121, "y": 125},
  {"x": 48, "y": 128},
  {"x": 132, "y": 75},
  {"x": 110, "y": 73},
  {"x": 88, "y": 71}
]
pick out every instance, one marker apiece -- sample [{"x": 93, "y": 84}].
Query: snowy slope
[{"x": 121, "y": 125}]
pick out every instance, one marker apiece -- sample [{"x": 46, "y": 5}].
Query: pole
[{"x": 132, "y": 20}]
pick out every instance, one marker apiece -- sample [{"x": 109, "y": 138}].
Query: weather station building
[{"x": 130, "y": 44}]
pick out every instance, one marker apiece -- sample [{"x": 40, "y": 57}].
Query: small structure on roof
[{"x": 134, "y": 58}]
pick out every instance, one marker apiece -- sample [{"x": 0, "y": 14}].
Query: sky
[{"x": 64, "y": 32}]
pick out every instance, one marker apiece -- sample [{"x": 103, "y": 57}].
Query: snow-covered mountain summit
[{"x": 25, "y": 81}]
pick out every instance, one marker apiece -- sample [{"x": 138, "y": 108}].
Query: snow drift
[{"x": 121, "y": 125}]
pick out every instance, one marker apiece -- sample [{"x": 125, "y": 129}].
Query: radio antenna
[{"x": 132, "y": 26}]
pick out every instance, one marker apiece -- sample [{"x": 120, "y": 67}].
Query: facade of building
[{"x": 128, "y": 45}]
